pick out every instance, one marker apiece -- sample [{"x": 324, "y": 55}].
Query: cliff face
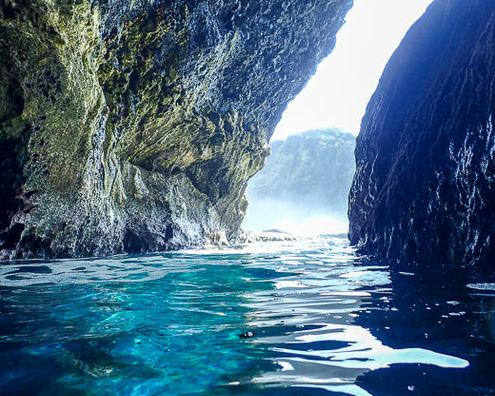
[
  {"x": 134, "y": 125},
  {"x": 424, "y": 188},
  {"x": 308, "y": 174}
]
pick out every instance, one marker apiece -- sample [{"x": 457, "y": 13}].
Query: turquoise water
[{"x": 322, "y": 321}]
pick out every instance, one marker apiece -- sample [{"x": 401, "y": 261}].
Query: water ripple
[{"x": 304, "y": 316}]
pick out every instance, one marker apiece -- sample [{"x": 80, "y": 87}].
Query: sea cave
[{"x": 131, "y": 133}]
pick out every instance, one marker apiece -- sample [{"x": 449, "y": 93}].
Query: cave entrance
[{"x": 304, "y": 186}]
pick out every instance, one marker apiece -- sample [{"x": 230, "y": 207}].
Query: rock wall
[
  {"x": 424, "y": 188},
  {"x": 134, "y": 125},
  {"x": 307, "y": 175}
]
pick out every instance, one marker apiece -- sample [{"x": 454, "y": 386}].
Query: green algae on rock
[{"x": 134, "y": 126}]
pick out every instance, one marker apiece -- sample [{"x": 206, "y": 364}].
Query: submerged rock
[
  {"x": 134, "y": 125},
  {"x": 424, "y": 188},
  {"x": 307, "y": 175}
]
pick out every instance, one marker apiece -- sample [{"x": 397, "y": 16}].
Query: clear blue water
[{"x": 324, "y": 322}]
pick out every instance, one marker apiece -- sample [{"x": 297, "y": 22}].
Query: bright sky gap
[{"x": 337, "y": 95}]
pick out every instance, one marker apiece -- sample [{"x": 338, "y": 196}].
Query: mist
[
  {"x": 294, "y": 217},
  {"x": 304, "y": 185}
]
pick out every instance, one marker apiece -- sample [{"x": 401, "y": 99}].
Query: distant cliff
[
  {"x": 308, "y": 174},
  {"x": 134, "y": 125},
  {"x": 424, "y": 188}
]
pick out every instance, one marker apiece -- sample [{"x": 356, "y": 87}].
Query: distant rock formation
[
  {"x": 308, "y": 174},
  {"x": 424, "y": 188},
  {"x": 134, "y": 125}
]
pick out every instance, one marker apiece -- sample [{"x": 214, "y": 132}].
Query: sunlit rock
[{"x": 134, "y": 125}]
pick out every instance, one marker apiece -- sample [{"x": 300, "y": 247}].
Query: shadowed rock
[{"x": 424, "y": 188}]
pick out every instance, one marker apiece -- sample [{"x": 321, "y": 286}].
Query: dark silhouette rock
[{"x": 424, "y": 188}]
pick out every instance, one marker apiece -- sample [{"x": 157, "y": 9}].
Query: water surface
[{"x": 296, "y": 318}]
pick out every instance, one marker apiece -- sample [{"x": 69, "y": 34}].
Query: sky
[{"x": 337, "y": 95}]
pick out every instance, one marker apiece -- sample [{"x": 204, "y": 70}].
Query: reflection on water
[
  {"x": 327, "y": 349},
  {"x": 322, "y": 321}
]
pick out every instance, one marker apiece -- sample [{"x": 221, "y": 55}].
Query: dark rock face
[
  {"x": 308, "y": 174},
  {"x": 424, "y": 188},
  {"x": 134, "y": 125}
]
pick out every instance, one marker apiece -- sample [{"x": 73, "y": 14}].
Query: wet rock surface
[
  {"x": 134, "y": 125},
  {"x": 424, "y": 186}
]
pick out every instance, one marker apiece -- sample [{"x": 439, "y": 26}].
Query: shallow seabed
[{"x": 323, "y": 321}]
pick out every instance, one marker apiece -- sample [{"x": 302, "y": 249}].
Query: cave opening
[{"x": 303, "y": 188}]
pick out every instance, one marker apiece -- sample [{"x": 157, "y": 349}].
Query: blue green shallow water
[{"x": 324, "y": 322}]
